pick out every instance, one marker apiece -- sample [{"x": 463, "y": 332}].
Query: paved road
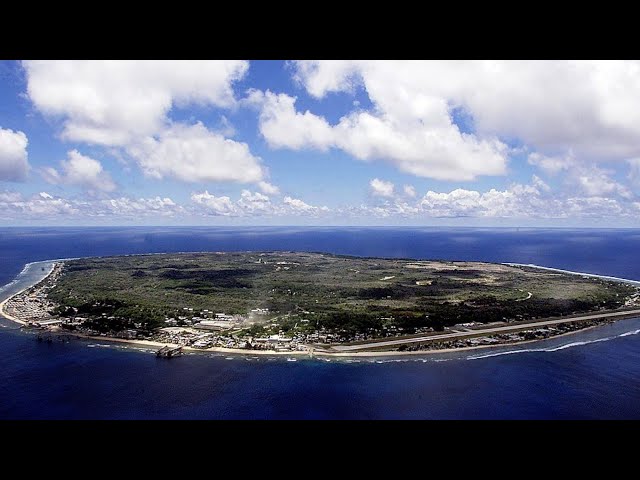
[{"x": 470, "y": 333}]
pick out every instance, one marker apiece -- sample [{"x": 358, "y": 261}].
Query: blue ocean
[{"x": 589, "y": 375}]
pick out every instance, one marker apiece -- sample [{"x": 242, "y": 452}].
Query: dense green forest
[{"x": 313, "y": 291}]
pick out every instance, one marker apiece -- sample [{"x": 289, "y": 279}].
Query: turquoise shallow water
[{"x": 592, "y": 374}]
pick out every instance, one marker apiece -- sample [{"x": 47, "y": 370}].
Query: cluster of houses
[
  {"x": 29, "y": 307},
  {"x": 205, "y": 329},
  {"x": 634, "y": 300},
  {"x": 32, "y": 305},
  {"x": 205, "y": 319},
  {"x": 191, "y": 337}
]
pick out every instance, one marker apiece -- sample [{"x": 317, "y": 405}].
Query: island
[{"x": 314, "y": 303}]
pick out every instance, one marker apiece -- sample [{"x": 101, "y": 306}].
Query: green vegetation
[{"x": 307, "y": 292}]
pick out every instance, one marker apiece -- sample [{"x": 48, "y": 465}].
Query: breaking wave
[{"x": 553, "y": 349}]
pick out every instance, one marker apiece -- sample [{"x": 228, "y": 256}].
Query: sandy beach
[
  {"x": 4, "y": 302},
  {"x": 5, "y": 314}
]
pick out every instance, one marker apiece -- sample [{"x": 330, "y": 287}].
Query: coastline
[
  {"x": 571, "y": 272},
  {"x": 6, "y": 315},
  {"x": 299, "y": 353},
  {"x": 315, "y": 353},
  {"x": 24, "y": 269}
]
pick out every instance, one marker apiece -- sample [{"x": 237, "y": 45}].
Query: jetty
[{"x": 169, "y": 352}]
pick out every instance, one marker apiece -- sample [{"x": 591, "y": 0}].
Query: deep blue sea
[{"x": 589, "y": 375}]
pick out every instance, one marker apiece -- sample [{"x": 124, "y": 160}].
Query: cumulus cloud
[
  {"x": 381, "y": 188},
  {"x": 283, "y": 127},
  {"x": 423, "y": 145},
  {"x": 534, "y": 200},
  {"x": 140, "y": 207},
  {"x": 41, "y": 205},
  {"x": 268, "y": 188},
  {"x": 297, "y": 204},
  {"x": 81, "y": 171},
  {"x": 252, "y": 204},
  {"x": 587, "y": 107},
  {"x": 320, "y": 78},
  {"x": 10, "y": 197},
  {"x": 14, "y": 164},
  {"x": 46, "y": 206},
  {"x": 409, "y": 191},
  {"x": 114, "y": 102},
  {"x": 553, "y": 164},
  {"x": 395, "y": 209},
  {"x": 215, "y": 205},
  {"x": 596, "y": 181},
  {"x": 539, "y": 184},
  {"x": 518, "y": 201},
  {"x": 126, "y": 105},
  {"x": 192, "y": 153},
  {"x": 587, "y": 177},
  {"x": 596, "y": 207}
]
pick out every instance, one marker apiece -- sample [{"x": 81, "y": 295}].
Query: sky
[{"x": 459, "y": 143}]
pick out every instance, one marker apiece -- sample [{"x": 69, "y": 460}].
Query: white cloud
[
  {"x": 192, "y": 153},
  {"x": 319, "y": 78},
  {"x": 534, "y": 200},
  {"x": 409, "y": 191},
  {"x": 37, "y": 206},
  {"x": 14, "y": 164},
  {"x": 10, "y": 197},
  {"x": 46, "y": 206},
  {"x": 268, "y": 188},
  {"x": 141, "y": 207},
  {"x": 459, "y": 202},
  {"x": 225, "y": 127},
  {"x": 14, "y": 205},
  {"x": 215, "y": 205},
  {"x": 590, "y": 179},
  {"x": 552, "y": 165},
  {"x": 426, "y": 146},
  {"x": 390, "y": 209},
  {"x": 539, "y": 184},
  {"x": 439, "y": 152},
  {"x": 595, "y": 181},
  {"x": 597, "y": 207},
  {"x": 114, "y": 102},
  {"x": 381, "y": 188},
  {"x": 298, "y": 205},
  {"x": 252, "y": 204},
  {"x": 587, "y": 107},
  {"x": 81, "y": 171},
  {"x": 634, "y": 170},
  {"x": 51, "y": 175},
  {"x": 283, "y": 127},
  {"x": 125, "y": 104},
  {"x": 517, "y": 201}
]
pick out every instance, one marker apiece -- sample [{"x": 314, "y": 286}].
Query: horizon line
[{"x": 496, "y": 227}]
